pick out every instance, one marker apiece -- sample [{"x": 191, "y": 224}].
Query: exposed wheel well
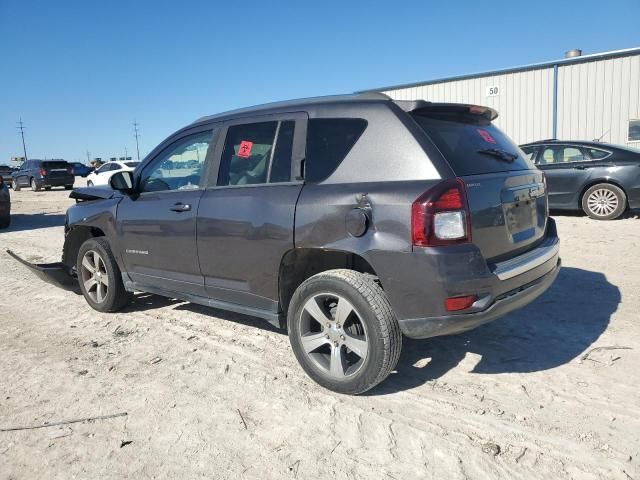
[
  {"x": 299, "y": 264},
  {"x": 75, "y": 238},
  {"x": 596, "y": 182}
]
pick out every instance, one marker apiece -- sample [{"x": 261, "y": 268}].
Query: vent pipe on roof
[{"x": 575, "y": 52}]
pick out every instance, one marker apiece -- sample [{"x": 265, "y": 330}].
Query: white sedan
[{"x": 101, "y": 176}]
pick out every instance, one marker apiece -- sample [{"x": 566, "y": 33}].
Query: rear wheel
[
  {"x": 343, "y": 331},
  {"x": 99, "y": 276},
  {"x": 604, "y": 201},
  {"x": 15, "y": 185},
  {"x": 34, "y": 185}
]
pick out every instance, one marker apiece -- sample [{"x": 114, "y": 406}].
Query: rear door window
[
  {"x": 329, "y": 140},
  {"x": 472, "y": 145},
  {"x": 257, "y": 153}
]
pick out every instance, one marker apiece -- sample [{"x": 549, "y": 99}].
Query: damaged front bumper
[{"x": 57, "y": 274}]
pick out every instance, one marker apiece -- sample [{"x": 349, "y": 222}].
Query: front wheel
[
  {"x": 343, "y": 331},
  {"x": 99, "y": 276},
  {"x": 604, "y": 201},
  {"x": 15, "y": 185}
]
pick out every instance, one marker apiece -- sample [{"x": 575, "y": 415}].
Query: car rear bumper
[
  {"x": 54, "y": 273},
  {"x": 56, "y": 181},
  {"x": 502, "y": 305}
]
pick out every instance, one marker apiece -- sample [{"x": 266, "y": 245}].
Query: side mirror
[{"x": 122, "y": 182}]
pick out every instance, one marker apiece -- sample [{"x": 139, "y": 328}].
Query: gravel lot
[{"x": 550, "y": 391}]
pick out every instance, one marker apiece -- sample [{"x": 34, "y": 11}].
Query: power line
[
  {"x": 137, "y": 135},
  {"x": 21, "y": 128}
]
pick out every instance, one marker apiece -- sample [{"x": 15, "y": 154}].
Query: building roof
[{"x": 533, "y": 66}]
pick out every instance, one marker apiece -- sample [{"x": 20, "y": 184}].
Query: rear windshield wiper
[{"x": 500, "y": 154}]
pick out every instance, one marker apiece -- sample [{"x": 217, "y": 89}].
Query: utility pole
[
  {"x": 24, "y": 147},
  {"x": 88, "y": 158},
  {"x": 137, "y": 135}
]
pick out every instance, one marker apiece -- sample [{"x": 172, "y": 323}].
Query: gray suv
[{"x": 348, "y": 220}]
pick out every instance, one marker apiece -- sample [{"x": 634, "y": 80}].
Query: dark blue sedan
[{"x": 80, "y": 169}]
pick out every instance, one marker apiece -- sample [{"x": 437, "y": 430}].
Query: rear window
[
  {"x": 471, "y": 144},
  {"x": 329, "y": 140},
  {"x": 55, "y": 165},
  {"x": 131, "y": 164}
]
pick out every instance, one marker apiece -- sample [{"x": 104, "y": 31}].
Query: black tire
[
  {"x": 116, "y": 296},
  {"x": 89, "y": 183},
  {"x": 5, "y": 221},
  {"x": 34, "y": 185},
  {"x": 372, "y": 311},
  {"x": 68, "y": 187},
  {"x": 604, "y": 201},
  {"x": 15, "y": 186}
]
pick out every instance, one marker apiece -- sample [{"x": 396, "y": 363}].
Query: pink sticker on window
[
  {"x": 244, "y": 150},
  {"x": 486, "y": 136}
]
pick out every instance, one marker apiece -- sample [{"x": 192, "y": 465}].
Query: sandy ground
[{"x": 548, "y": 392}]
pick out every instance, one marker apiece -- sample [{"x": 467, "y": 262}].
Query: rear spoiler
[{"x": 417, "y": 106}]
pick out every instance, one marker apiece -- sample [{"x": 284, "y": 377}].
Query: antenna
[
  {"x": 21, "y": 128},
  {"x": 600, "y": 137},
  {"x": 137, "y": 135}
]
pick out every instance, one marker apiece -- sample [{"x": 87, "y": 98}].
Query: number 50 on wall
[{"x": 493, "y": 91}]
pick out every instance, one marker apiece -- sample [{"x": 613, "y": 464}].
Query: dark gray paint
[
  {"x": 230, "y": 255},
  {"x": 567, "y": 182}
]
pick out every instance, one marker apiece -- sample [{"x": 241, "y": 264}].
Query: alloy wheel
[
  {"x": 602, "y": 202},
  {"x": 95, "y": 277},
  {"x": 333, "y": 335}
]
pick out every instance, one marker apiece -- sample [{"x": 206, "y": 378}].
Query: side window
[
  {"x": 281, "y": 164},
  {"x": 558, "y": 154},
  {"x": 247, "y": 153},
  {"x": 329, "y": 140},
  {"x": 179, "y": 166},
  {"x": 634, "y": 130},
  {"x": 572, "y": 154},
  {"x": 598, "y": 154}
]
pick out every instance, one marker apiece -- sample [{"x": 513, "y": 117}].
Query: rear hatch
[
  {"x": 56, "y": 169},
  {"x": 506, "y": 193}
]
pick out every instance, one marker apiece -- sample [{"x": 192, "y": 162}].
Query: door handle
[
  {"x": 579, "y": 167},
  {"x": 180, "y": 207}
]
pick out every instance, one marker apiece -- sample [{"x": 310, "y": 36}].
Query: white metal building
[{"x": 576, "y": 98}]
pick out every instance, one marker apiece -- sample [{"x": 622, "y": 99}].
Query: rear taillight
[
  {"x": 440, "y": 216},
  {"x": 42, "y": 172},
  {"x": 454, "y": 304}
]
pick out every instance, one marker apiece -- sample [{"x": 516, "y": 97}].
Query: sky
[{"x": 79, "y": 73}]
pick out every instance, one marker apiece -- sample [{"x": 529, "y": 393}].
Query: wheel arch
[
  {"x": 298, "y": 264},
  {"x": 593, "y": 182},
  {"x": 75, "y": 237}
]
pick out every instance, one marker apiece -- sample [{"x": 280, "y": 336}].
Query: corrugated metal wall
[
  {"x": 597, "y": 99},
  {"x": 593, "y": 98}
]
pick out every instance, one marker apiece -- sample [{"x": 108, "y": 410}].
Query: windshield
[{"x": 471, "y": 144}]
